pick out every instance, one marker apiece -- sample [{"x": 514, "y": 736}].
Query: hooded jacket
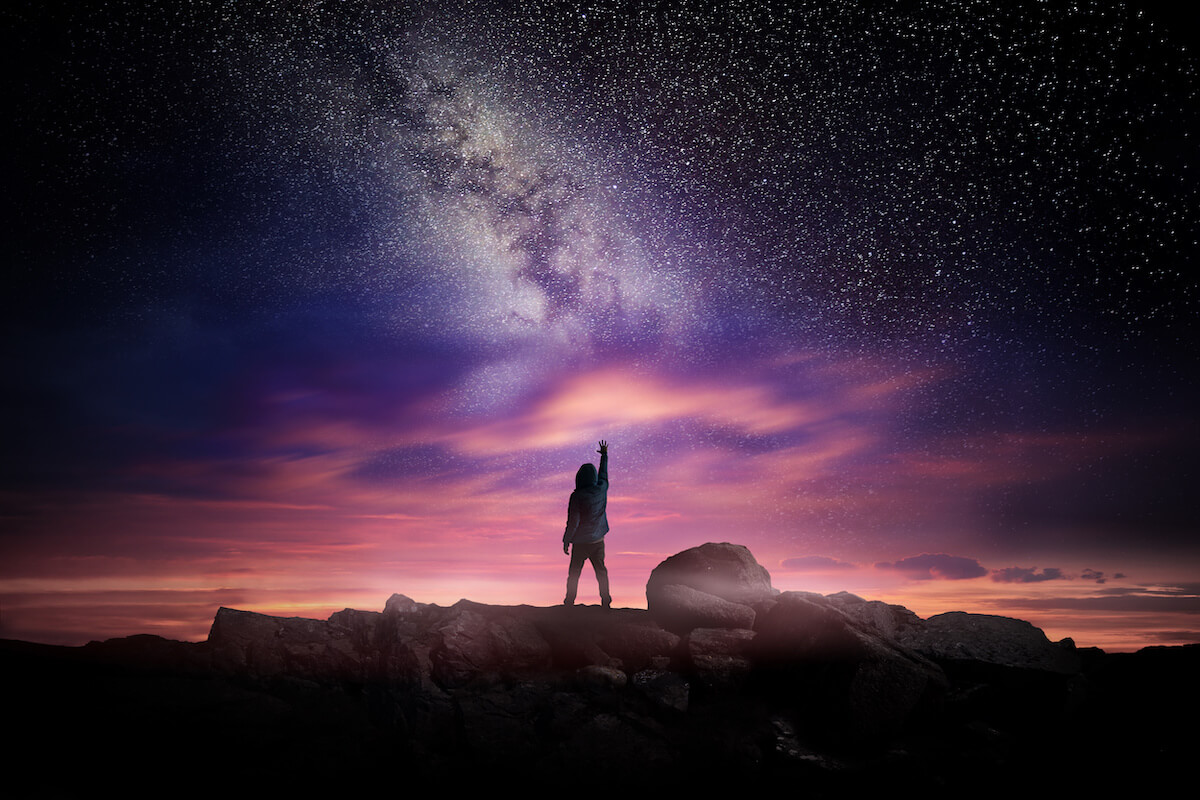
[{"x": 587, "y": 517}]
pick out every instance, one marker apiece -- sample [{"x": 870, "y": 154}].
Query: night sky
[{"x": 307, "y": 303}]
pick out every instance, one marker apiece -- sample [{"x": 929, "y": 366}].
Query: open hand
[{"x": 603, "y": 447}]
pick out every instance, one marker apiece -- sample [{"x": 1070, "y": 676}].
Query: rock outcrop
[
  {"x": 721, "y": 678},
  {"x": 960, "y": 637}
]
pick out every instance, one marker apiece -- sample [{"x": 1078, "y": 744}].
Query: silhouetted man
[{"x": 587, "y": 522}]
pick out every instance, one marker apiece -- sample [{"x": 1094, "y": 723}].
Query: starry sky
[{"x": 308, "y": 303}]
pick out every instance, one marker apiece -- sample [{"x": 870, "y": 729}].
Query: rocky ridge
[{"x": 721, "y": 679}]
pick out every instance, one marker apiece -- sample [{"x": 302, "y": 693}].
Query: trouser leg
[
  {"x": 573, "y": 572},
  {"x": 602, "y": 579},
  {"x": 597, "y": 557}
]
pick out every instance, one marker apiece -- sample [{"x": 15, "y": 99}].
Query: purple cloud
[
  {"x": 1026, "y": 575},
  {"x": 936, "y": 566},
  {"x": 1098, "y": 576}
]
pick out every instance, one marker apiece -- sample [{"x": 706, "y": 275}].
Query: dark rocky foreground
[{"x": 722, "y": 683}]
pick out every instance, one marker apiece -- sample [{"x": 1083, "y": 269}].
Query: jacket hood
[{"x": 586, "y": 476}]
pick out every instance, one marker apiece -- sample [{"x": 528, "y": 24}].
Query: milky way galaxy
[{"x": 313, "y": 302}]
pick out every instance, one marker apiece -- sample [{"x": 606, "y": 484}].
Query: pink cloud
[{"x": 620, "y": 399}]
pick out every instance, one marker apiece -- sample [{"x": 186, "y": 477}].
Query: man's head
[{"x": 586, "y": 476}]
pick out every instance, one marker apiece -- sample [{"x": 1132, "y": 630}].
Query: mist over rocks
[{"x": 721, "y": 679}]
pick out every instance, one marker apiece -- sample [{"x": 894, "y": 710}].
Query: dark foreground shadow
[{"x": 151, "y": 717}]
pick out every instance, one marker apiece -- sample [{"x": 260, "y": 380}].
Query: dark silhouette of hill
[{"x": 721, "y": 682}]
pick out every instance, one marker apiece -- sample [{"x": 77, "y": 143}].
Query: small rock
[
  {"x": 596, "y": 677},
  {"x": 718, "y": 655},
  {"x": 665, "y": 688}
]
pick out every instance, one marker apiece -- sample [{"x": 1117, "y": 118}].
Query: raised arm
[{"x": 603, "y": 451}]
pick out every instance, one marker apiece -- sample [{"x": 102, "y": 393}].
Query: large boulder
[
  {"x": 726, "y": 570},
  {"x": 713, "y": 585}
]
